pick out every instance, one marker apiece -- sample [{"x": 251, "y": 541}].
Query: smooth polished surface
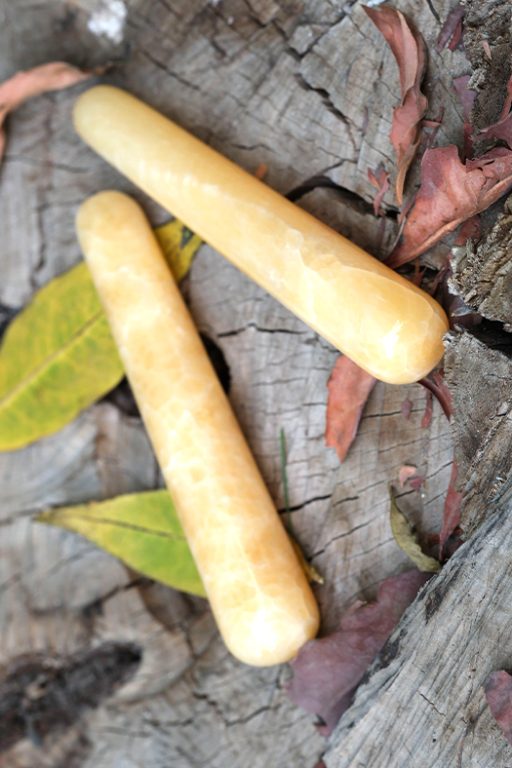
[
  {"x": 262, "y": 602},
  {"x": 385, "y": 324}
]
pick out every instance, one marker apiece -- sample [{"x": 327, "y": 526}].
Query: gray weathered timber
[
  {"x": 424, "y": 704},
  {"x": 308, "y": 88}
]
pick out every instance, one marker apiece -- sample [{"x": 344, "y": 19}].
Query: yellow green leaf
[
  {"x": 57, "y": 357},
  {"x": 179, "y": 245},
  {"x": 142, "y": 530},
  {"x": 407, "y": 541}
]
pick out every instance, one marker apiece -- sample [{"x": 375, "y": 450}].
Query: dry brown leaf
[
  {"x": 327, "y": 670},
  {"x": 380, "y": 180},
  {"x": 429, "y": 410},
  {"x": 451, "y": 31},
  {"x": 409, "y": 50},
  {"x": 498, "y": 692},
  {"x": 405, "y": 473},
  {"x": 450, "y": 193},
  {"x": 349, "y": 388},
  {"x": 407, "y": 540},
  {"x": 25, "y": 85},
  {"x": 451, "y": 511}
]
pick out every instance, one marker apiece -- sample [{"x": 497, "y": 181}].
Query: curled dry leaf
[
  {"x": 451, "y": 31},
  {"x": 429, "y": 409},
  {"x": 327, "y": 671},
  {"x": 24, "y": 85},
  {"x": 349, "y": 388},
  {"x": 470, "y": 230},
  {"x": 380, "y": 180},
  {"x": 435, "y": 384},
  {"x": 498, "y": 692},
  {"x": 407, "y": 540},
  {"x": 409, "y": 50},
  {"x": 501, "y": 131},
  {"x": 451, "y": 192},
  {"x": 451, "y": 511},
  {"x": 406, "y": 472}
]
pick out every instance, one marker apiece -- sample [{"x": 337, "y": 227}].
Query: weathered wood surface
[{"x": 307, "y": 88}]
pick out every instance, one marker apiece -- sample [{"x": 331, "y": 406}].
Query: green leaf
[
  {"x": 57, "y": 357},
  {"x": 142, "y": 530},
  {"x": 407, "y": 541},
  {"x": 179, "y": 245}
]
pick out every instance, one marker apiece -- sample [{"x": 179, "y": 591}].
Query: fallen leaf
[
  {"x": 451, "y": 192},
  {"x": 179, "y": 245},
  {"x": 142, "y": 530},
  {"x": 349, "y": 388},
  {"x": 435, "y": 384},
  {"x": 427, "y": 415},
  {"x": 409, "y": 50},
  {"x": 451, "y": 511},
  {"x": 327, "y": 671},
  {"x": 501, "y": 131},
  {"x": 451, "y": 31},
  {"x": 498, "y": 692},
  {"x": 58, "y": 356},
  {"x": 33, "y": 82},
  {"x": 405, "y": 473},
  {"x": 470, "y": 230},
  {"x": 486, "y": 49},
  {"x": 416, "y": 482},
  {"x": 261, "y": 171},
  {"x": 407, "y": 540},
  {"x": 380, "y": 180}
]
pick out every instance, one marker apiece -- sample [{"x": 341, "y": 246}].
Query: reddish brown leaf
[
  {"x": 435, "y": 384},
  {"x": 326, "y": 672},
  {"x": 416, "y": 482},
  {"x": 380, "y": 180},
  {"x": 405, "y": 473},
  {"x": 498, "y": 692},
  {"x": 450, "y": 193},
  {"x": 24, "y": 85},
  {"x": 452, "y": 509},
  {"x": 470, "y": 230},
  {"x": 409, "y": 50},
  {"x": 261, "y": 171},
  {"x": 501, "y": 131},
  {"x": 451, "y": 31},
  {"x": 427, "y": 415},
  {"x": 349, "y": 388}
]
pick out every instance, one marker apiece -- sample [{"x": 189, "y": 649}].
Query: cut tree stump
[{"x": 129, "y": 673}]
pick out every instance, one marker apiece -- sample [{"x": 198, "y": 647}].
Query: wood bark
[{"x": 308, "y": 89}]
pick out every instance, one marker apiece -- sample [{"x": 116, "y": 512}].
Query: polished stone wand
[
  {"x": 384, "y": 323},
  {"x": 257, "y": 589}
]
